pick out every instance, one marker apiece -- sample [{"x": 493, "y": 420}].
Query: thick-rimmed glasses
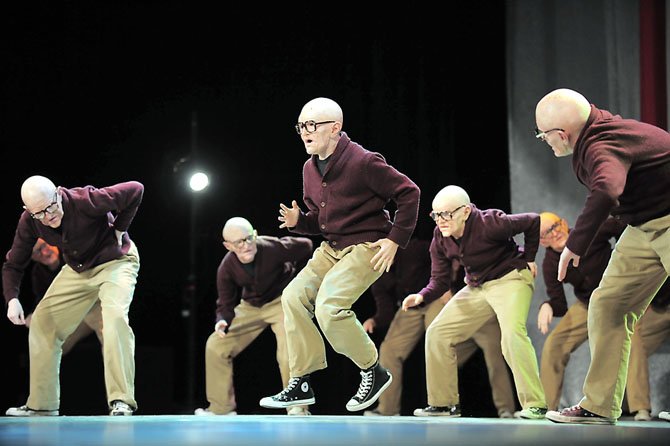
[
  {"x": 309, "y": 126},
  {"x": 549, "y": 230},
  {"x": 241, "y": 242},
  {"x": 445, "y": 215},
  {"x": 542, "y": 134},
  {"x": 51, "y": 209}
]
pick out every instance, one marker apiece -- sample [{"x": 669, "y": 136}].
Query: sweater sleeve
[
  {"x": 390, "y": 184},
  {"x": 608, "y": 168},
  {"x": 228, "y": 294}
]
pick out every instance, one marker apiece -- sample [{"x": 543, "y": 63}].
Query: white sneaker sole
[
  {"x": 356, "y": 406},
  {"x": 270, "y": 403}
]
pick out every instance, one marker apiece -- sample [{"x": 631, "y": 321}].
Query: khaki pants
[
  {"x": 571, "y": 332},
  {"x": 92, "y": 323},
  {"x": 249, "y": 323},
  {"x": 507, "y": 298},
  {"x": 326, "y": 288},
  {"x": 652, "y": 330},
  {"x": 406, "y": 330},
  {"x": 637, "y": 269},
  {"x": 68, "y": 300}
]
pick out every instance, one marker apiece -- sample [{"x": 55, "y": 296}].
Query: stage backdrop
[{"x": 591, "y": 47}]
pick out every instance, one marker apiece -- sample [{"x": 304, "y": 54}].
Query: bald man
[
  {"x": 250, "y": 281},
  {"x": 411, "y": 271},
  {"x": 625, "y": 165},
  {"x": 345, "y": 189},
  {"x": 89, "y": 225},
  {"x": 499, "y": 277}
]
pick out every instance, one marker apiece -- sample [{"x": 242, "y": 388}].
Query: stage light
[{"x": 199, "y": 181}]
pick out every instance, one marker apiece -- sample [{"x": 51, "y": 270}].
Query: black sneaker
[
  {"x": 439, "y": 411},
  {"x": 298, "y": 392},
  {"x": 373, "y": 382}
]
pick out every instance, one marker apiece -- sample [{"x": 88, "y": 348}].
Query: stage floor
[{"x": 271, "y": 430}]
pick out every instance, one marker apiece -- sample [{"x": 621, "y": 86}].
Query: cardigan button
[{"x": 323, "y": 204}]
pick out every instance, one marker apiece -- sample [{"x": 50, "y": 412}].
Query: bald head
[
  {"x": 237, "y": 228},
  {"x": 37, "y": 190},
  {"x": 563, "y": 108},
  {"x": 553, "y": 231},
  {"x": 450, "y": 197},
  {"x": 321, "y": 109}
]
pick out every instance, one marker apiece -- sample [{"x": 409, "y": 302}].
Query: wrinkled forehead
[
  {"x": 39, "y": 200},
  {"x": 236, "y": 232}
]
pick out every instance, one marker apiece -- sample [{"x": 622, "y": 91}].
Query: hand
[
  {"x": 369, "y": 325},
  {"x": 288, "y": 216},
  {"x": 119, "y": 236},
  {"x": 544, "y": 317},
  {"x": 533, "y": 268},
  {"x": 220, "y": 328},
  {"x": 564, "y": 262},
  {"x": 384, "y": 258},
  {"x": 411, "y": 301},
  {"x": 15, "y": 312}
]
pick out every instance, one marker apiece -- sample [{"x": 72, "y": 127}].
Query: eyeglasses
[
  {"x": 539, "y": 134},
  {"x": 51, "y": 209},
  {"x": 309, "y": 126},
  {"x": 241, "y": 242},
  {"x": 548, "y": 231},
  {"x": 445, "y": 215}
]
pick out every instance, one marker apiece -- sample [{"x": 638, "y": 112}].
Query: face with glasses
[
  {"x": 46, "y": 209},
  {"x": 557, "y": 139},
  {"x": 319, "y": 126},
  {"x": 552, "y": 234},
  {"x": 242, "y": 242},
  {"x": 450, "y": 218}
]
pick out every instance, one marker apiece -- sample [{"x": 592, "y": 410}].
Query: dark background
[{"x": 97, "y": 94}]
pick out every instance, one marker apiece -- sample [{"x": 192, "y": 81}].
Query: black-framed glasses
[
  {"x": 51, "y": 209},
  {"x": 309, "y": 126},
  {"x": 542, "y": 134},
  {"x": 241, "y": 242},
  {"x": 548, "y": 231},
  {"x": 445, "y": 215}
]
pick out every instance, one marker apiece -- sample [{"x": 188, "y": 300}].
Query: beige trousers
[
  {"x": 639, "y": 265},
  {"x": 326, "y": 288},
  {"x": 407, "y": 329},
  {"x": 249, "y": 323},
  {"x": 507, "y": 298},
  {"x": 66, "y": 303}
]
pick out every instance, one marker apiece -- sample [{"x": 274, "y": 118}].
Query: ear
[
  {"x": 467, "y": 211},
  {"x": 336, "y": 128}
]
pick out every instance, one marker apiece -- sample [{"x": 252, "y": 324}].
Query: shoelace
[
  {"x": 292, "y": 383},
  {"x": 366, "y": 384},
  {"x": 121, "y": 405}
]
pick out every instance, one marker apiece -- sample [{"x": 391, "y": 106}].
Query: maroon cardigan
[
  {"x": 625, "y": 164},
  {"x": 277, "y": 262},
  {"x": 86, "y": 235},
  {"x": 346, "y": 204},
  {"x": 586, "y": 277},
  {"x": 486, "y": 250}
]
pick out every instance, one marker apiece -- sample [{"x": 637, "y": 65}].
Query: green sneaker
[{"x": 533, "y": 413}]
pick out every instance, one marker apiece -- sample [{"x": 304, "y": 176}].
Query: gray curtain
[{"x": 591, "y": 46}]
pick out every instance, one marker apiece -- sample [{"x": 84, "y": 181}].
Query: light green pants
[
  {"x": 507, "y": 298},
  {"x": 66, "y": 303},
  {"x": 637, "y": 268},
  {"x": 326, "y": 288},
  {"x": 407, "y": 329}
]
